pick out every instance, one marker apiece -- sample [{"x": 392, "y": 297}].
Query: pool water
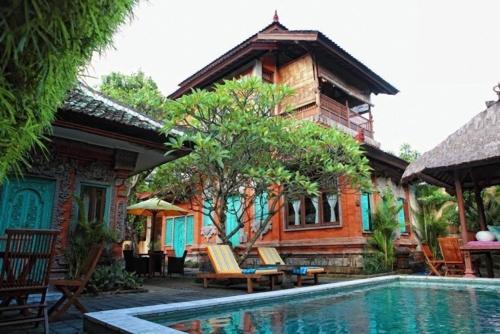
[{"x": 398, "y": 307}]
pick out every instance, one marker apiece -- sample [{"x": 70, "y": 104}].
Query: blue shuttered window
[
  {"x": 206, "y": 213},
  {"x": 366, "y": 212},
  {"x": 232, "y": 213},
  {"x": 189, "y": 230},
  {"x": 179, "y": 233},
  {"x": 261, "y": 207},
  {"x": 169, "y": 231},
  {"x": 401, "y": 215}
]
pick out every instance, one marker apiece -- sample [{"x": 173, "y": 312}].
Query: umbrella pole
[{"x": 153, "y": 231}]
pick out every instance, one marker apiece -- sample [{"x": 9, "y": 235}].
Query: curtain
[
  {"x": 296, "y": 209},
  {"x": 315, "y": 202},
  {"x": 332, "y": 201}
]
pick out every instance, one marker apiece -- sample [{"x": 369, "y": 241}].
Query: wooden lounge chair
[
  {"x": 226, "y": 267},
  {"x": 25, "y": 270},
  {"x": 269, "y": 256},
  {"x": 73, "y": 288},
  {"x": 435, "y": 266},
  {"x": 452, "y": 257}
]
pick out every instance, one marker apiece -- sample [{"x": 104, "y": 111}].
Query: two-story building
[{"x": 332, "y": 88}]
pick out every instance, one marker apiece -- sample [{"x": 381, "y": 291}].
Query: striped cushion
[
  {"x": 223, "y": 260},
  {"x": 270, "y": 256}
]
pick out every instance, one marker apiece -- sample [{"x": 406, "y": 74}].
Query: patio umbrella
[{"x": 155, "y": 207}]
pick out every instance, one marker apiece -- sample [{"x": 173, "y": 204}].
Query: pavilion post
[
  {"x": 461, "y": 208},
  {"x": 469, "y": 272},
  {"x": 152, "y": 240}
]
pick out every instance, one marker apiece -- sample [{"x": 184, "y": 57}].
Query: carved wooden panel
[{"x": 299, "y": 75}]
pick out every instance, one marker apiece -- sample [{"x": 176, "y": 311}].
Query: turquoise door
[
  {"x": 179, "y": 236},
  {"x": 366, "y": 212},
  {"x": 233, "y": 210},
  {"x": 179, "y": 233},
  {"x": 26, "y": 203}
]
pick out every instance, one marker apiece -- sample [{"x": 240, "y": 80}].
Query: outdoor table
[
  {"x": 479, "y": 247},
  {"x": 287, "y": 275},
  {"x": 152, "y": 257}
]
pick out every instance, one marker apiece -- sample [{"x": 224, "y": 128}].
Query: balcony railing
[{"x": 341, "y": 114}]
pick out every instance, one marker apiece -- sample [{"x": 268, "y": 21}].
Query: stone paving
[{"x": 160, "y": 291}]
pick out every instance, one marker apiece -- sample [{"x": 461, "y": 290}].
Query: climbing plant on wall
[{"x": 43, "y": 45}]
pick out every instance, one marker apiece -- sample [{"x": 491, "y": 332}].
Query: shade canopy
[
  {"x": 155, "y": 207},
  {"x": 472, "y": 153}
]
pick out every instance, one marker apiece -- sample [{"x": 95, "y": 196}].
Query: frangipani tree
[{"x": 243, "y": 153}]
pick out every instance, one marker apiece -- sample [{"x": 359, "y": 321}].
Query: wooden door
[{"x": 26, "y": 203}]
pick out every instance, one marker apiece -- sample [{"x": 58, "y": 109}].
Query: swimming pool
[{"x": 390, "y": 304}]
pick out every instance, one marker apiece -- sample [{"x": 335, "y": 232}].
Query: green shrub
[
  {"x": 44, "y": 44},
  {"x": 385, "y": 224},
  {"x": 85, "y": 235},
  {"x": 113, "y": 278},
  {"x": 373, "y": 263}
]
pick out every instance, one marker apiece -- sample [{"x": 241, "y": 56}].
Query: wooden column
[{"x": 469, "y": 272}]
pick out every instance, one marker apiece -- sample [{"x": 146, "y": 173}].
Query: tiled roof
[
  {"x": 278, "y": 27},
  {"x": 85, "y": 100}
]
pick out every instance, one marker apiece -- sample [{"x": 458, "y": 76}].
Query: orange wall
[{"x": 349, "y": 233}]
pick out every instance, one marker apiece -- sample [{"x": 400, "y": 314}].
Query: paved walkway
[{"x": 160, "y": 291}]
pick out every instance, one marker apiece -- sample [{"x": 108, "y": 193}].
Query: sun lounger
[
  {"x": 226, "y": 267},
  {"x": 270, "y": 256}
]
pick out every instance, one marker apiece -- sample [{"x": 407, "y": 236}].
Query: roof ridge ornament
[
  {"x": 496, "y": 89},
  {"x": 276, "y": 18}
]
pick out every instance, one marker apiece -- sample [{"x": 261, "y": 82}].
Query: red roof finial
[{"x": 275, "y": 17}]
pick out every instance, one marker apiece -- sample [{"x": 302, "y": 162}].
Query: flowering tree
[{"x": 245, "y": 158}]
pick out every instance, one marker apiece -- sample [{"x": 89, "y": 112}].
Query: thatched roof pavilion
[
  {"x": 473, "y": 151},
  {"x": 468, "y": 159}
]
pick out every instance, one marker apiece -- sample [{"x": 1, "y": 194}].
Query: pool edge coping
[{"x": 127, "y": 320}]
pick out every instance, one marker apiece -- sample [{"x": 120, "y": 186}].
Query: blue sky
[{"x": 442, "y": 55}]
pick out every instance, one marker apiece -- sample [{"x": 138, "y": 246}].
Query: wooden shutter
[
  {"x": 189, "y": 230},
  {"x": 169, "y": 231},
  {"x": 401, "y": 215},
  {"x": 261, "y": 207},
  {"x": 366, "y": 212}
]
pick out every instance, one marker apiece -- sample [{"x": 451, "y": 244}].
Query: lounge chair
[
  {"x": 226, "y": 267},
  {"x": 270, "y": 256},
  {"x": 24, "y": 270},
  {"x": 452, "y": 256},
  {"x": 73, "y": 288},
  {"x": 435, "y": 266}
]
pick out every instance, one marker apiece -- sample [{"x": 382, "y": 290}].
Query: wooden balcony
[{"x": 341, "y": 114}]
